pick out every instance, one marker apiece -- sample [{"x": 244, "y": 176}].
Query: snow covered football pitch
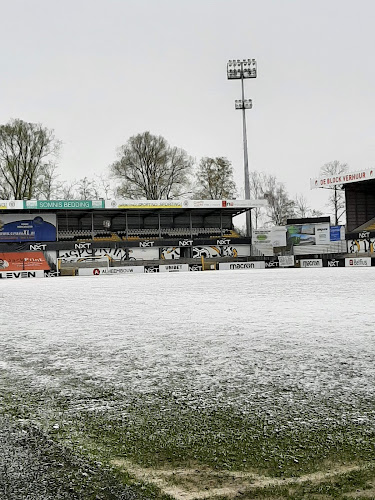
[{"x": 199, "y": 384}]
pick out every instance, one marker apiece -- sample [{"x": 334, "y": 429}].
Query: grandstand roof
[{"x": 144, "y": 207}]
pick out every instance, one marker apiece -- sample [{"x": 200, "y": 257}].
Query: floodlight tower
[{"x": 239, "y": 70}]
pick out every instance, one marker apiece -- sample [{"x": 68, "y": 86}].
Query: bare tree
[
  {"x": 301, "y": 207},
  {"x": 48, "y": 185},
  {"x": 67, "y": 190},
  {"x": 149, "y": 168},
  {"x": 214, "y": 179},
  {"x": 280, "y": 206},
  {"x": 85, "y": 189},
  {"x": 315, "y": 213},
  {"x": 257, "y": 182},
  {"x": 102, "y": 187},
  {"x": 25, "y": 150},
  {"x": 336, "y": 200}
]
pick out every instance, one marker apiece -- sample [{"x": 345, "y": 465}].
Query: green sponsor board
[{"x": 63, "y": 204}]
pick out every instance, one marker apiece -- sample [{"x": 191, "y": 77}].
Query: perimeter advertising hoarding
[
  {"x": 286, "y": 260},
  {"x": 173, "y": 268},
  {"x": 237, "y": 266},
  {"x": 358, "y": 262},
  {"x": 23, "y": 261},
  {"x": 27, "y": 227},
  {"x": 309, "y": 263},
  {"x": 22, "y": 274},
  {"x": 101, "y": 271},
  {"x": 63, "y": 204}
]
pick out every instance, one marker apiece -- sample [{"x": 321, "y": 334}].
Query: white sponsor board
[
  {"x": 22, "y": 274},
  {"x": 322, "y": 234},
  {"x": 311, "y": 263},
  {"x": 236, "y": 266},
  {"x": 11, "y": 204},
  {"x": 358, "y": 262},
  {"x": 150, "y": 253},
  {"x": 101, "y": 271},
  {"x": 173, "y": 268},
  {"x": 244, "y": 203},
  {"x": 203, "y": 204},
  {"x": 147, "y": 204},
  {"x": 332, "y": 180},
  {"x": 286, "y": 260},
  {"x": 224, "y": 203},
  {"x": 275, "y": 236},
  {"x": 143, "y": 204}
]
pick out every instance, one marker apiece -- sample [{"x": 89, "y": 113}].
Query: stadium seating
[{"x": 178, "y": 232}]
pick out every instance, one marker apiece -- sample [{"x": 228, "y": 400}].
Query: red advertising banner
[{"x": 28, "y": 261}]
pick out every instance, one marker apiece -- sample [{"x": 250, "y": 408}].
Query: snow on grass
[{"x": 235, "y": 368}]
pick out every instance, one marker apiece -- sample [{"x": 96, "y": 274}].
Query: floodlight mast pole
[
  {"x": 246, "y": 159},
  {"x": 237, "y": 69}
]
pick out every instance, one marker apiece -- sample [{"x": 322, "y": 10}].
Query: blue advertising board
[
  {"x": 335, "y": 233},
  {"x": 27, "y": 227}
]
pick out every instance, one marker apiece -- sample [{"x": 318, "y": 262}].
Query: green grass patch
[{"x": 85, "y": 434}]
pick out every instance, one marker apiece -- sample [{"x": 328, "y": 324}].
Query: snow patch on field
[{"x": 249, "y": 340}]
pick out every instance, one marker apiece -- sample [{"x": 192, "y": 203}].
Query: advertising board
[
  {"x": 361, "y": 244},
  {"x": 286, "y": 260},
  {"x": 335, "y": 233},
  {"x": 151, "y": 253},
  {"x": 21, "y": 274},
  {"x": 237, "y": 266},
  {"x": 147, "y": 204},
  {"x": 275, "y": 236},
  {"x": 27, "y": 227},
  {"x": 309, "y": 263},
  {"x": 63, "y": 204},
  {"x": 23, "y": 261},
  {"x": 173, "y": 268},
  {"x": 143, "y": 204},
  {"x": 11, "y": 204},
  {"x": 358, "y": 262},
  {"x": 331, "y": 181},
  {"x": 101, "y": 271},
  {"x": 334, "y": 263},
  {"x": 308, "y": 234}
]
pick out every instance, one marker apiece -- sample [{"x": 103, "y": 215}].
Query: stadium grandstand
[
  {"x": 71, "y": 234},
  {"x": 359, "y": 188}
]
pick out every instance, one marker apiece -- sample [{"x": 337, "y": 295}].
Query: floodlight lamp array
[
  {"x": 246, "y": 104},
  {"x": 237, "y": 69}
]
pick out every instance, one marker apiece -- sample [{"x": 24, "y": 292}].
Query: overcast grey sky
[{"x": 98, "y": 72}]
